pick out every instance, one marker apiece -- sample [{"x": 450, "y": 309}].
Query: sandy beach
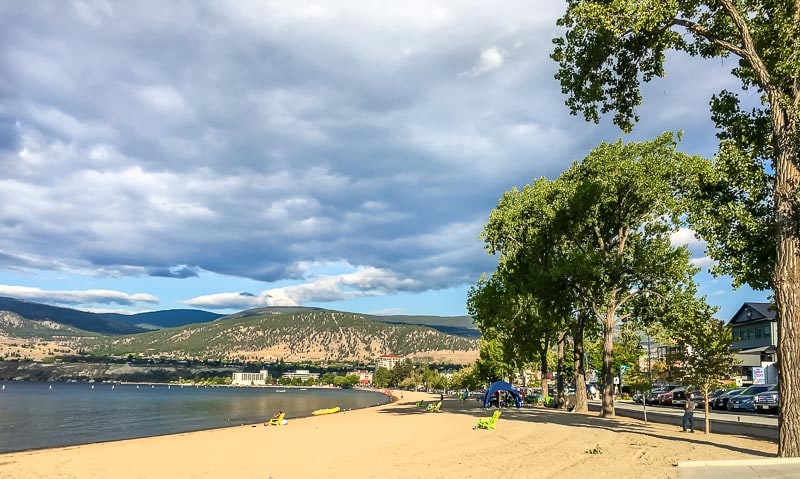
[{"x": 400, "y": 441}]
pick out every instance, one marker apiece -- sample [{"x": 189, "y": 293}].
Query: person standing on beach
[{"x": 688, "y": 413}]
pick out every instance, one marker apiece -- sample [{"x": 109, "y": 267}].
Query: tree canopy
[{"x": 748, "y": 208}]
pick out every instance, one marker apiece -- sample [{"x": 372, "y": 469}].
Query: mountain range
[{"x": 261, "y": 334}]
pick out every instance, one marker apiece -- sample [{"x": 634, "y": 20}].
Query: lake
[{"x": 37, "y": 415}]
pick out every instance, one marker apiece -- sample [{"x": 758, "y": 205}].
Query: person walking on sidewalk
[{"x": 688, "y": 413}]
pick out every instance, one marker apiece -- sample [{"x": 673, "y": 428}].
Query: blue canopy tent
[{"x": 501, "y": 386}]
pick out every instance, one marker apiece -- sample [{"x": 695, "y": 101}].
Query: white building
[
  {"x": 388, "y": 361},
  {"x": 303, "y": 374},
  {"x": 260, "y": 378}
]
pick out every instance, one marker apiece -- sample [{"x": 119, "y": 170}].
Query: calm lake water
[{"x": 35, "y": 415}]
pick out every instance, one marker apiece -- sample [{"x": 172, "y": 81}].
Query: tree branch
[
  {"x": 748, "y": 47},
  {"x": 599, "y": 238},
  {"x": 701, "y": 30}
]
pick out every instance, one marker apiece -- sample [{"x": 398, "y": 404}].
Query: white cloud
[
  {"x": 491, "y": 58},
  {"x": 703, "y": 263},
  {"x": 685, "y": 237},
  {"x": 72, "y": 297},
  {"x": 366, "y": 281}
]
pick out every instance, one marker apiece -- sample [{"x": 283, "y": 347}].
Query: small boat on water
[{"x": 280, "y": 391}]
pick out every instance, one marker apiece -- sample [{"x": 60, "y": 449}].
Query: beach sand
[{"x": 400, "y": 441}]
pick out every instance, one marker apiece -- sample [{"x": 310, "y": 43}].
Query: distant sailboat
[
  {"x": 92, "y": 386},
  {"x": 4, "y": 386},
  {"x": 51, "y": 387},
  {"x": 113, "y": 386}
]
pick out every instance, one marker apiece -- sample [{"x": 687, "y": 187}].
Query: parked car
[
  {"x": 767, "y": 401},
  {"x": 665, "y": 399},
  {"x": 668, "y": 398},
  {"x": 712, "y": 395},
  {"x": 657, "y": 392},
  {"x": 721, "y": 401},
  {"x": 679, "y": 395},
  {"x": 744, "y": 400}
]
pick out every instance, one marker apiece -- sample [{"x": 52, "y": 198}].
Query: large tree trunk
[
  {"x": 562, "y": 398},
  {"x": 608, "y": 372},
  {"x": 581, "y": 404},
  {"x": 543, "y": 358},
  {"x": 787, "y": 278}
]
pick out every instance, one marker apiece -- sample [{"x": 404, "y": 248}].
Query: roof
[
  {"x": 751, "y": 312},
  {"x": 761, "y": 349}
]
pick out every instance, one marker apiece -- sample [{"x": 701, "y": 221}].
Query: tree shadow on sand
[{"x": 474, "y": 410}]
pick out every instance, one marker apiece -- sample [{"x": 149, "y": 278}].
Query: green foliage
[
  {"x": 467, "y": 378},
  {"x": 381, "y": 377},
  {"x": 704, "y": 342}
]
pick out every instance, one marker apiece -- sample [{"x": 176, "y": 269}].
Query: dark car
[
  {"x": 712, "y": 395},
  {"x": 721, "y": 401},
  {"x": 665, "y": 399},
  {"x": 679, "y": 395},
  {"x": 744, "y": 400},
  {"x": 767, "y": 401}
]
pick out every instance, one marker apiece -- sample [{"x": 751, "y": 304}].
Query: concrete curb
[{"x": 741, "y": 462}]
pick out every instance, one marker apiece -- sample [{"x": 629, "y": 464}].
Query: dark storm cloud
[
  {"x": 179, "y": 272},
  {"x": 249, "y": 138}
]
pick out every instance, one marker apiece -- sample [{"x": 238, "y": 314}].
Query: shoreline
[
  {"x": 84, "y": 430},
  {"x": 399, "y": 440}
]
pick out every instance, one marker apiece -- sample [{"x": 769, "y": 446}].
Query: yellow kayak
[{"x": 330, "y": 410}]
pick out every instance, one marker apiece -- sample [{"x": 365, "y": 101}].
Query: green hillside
[
  {"x": 15, "y": 326},
  {"x": 331, "y": 335}
]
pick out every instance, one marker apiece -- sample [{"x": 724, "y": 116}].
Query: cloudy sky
[{"x": 224, "y": 155}]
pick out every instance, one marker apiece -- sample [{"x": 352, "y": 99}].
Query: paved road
[{"x": 722, "y": 422}]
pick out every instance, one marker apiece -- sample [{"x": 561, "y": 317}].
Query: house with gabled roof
[{"x": 755, "y": 339}]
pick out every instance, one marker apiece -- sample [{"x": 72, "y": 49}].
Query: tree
[
  {"x": 705, "y": 349},
  {"x": 610, "y": 47},
  {"x": 380, "y": 378},
  {"x": 594, "y": 239},
  {"x": 402, "y": 374},
  {"x": 620, "y": 212},
  {"x": 467, "y": 378},
  {"x": 532, "y": 251},
  {"x": 514, "y": 332}
]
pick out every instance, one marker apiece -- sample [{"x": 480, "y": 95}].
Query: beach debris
[{"x": 595, "y": 450}]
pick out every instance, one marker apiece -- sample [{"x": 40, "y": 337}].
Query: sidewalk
[{"x": 774, "y": 468}]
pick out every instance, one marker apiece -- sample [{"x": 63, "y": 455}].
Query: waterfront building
[
  {"x": 303, "y": 374},
  {"x": 260, "y": 378}
]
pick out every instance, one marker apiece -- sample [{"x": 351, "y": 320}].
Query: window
[
  {"x": 749, "y": 333},
  {"x": 758, "y": 333},
  {"x": 766, "y": 331}
]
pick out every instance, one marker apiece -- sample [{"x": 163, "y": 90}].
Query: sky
[{"x": 225, "y": 155}]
